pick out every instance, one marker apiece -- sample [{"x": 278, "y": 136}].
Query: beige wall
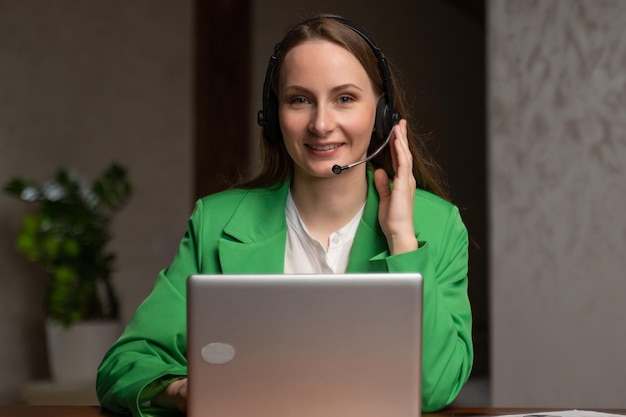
[
  {"x": 84, "y": 83},
  {"x": 558, "y": 190}
]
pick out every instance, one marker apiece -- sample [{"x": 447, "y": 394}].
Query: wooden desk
[
  {"x": 52, "y": 411},
  {"x": 91, "y": 411}
]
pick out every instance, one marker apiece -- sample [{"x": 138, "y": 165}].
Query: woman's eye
[
  {"x": 345, "y": 99},
  {"x": 298, "y": 100}
]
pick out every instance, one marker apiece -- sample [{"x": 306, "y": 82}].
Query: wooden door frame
[{"x": 222, "y": 65}]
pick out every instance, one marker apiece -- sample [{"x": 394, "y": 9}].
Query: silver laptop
[{"x": 304, "y": 345}]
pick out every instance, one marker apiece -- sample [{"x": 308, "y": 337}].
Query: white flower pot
[{"x": 75, "y": 353}]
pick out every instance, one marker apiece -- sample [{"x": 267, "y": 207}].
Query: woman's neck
[{"x": 325, "y": 205}]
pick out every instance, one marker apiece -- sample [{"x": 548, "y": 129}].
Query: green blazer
[{"x": 244, "y": 231}]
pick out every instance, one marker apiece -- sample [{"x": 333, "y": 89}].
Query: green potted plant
[{"x": 68, "y": 235}]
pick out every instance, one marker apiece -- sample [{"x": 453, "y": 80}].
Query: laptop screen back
[{"x": 304, "y": 345}]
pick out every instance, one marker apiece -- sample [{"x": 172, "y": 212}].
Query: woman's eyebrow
[
  {"x": 346, "y": 86},
  {"x": 298, "y": 88}
]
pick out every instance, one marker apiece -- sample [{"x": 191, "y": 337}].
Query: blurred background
[{"x": 523, "y": 103}]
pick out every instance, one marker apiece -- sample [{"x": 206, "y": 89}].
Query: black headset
[{"x": 386, "y": 114}]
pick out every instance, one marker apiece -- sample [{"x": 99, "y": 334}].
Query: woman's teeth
[{"x": 323, "y": 148}]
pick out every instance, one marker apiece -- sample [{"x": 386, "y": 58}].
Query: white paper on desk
[{"x": 565, "y": 413}]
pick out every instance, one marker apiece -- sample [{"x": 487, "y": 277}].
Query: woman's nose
[{"x": 322, "y": 120}]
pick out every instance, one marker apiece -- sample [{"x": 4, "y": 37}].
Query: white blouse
[{"x": 306, "y": 255}]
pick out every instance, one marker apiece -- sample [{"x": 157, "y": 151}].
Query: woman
[{"x": 329, "y": 102}]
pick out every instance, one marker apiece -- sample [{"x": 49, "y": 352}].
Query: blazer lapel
[
  {"x": 257, "y": 233},
  {"x": 369, "y": 240}
]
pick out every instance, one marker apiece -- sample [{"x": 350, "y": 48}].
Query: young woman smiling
[{"x": 329, "y": 103}]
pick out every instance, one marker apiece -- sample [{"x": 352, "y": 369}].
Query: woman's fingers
[{"x": 396, "y": 203}]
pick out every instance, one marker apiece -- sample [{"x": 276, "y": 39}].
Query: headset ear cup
[
  {"x": 272, "y": 125},
  {"x": 384, "y": 122}
]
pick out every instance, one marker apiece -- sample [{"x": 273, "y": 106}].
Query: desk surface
[{"x": 91, "y": 411}]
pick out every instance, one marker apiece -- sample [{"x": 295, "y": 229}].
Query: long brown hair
[{"x": 277, "y": 165}]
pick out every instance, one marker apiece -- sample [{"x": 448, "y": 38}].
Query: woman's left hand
[
  {"x": 174, "y": 396},
  {"x": 395, "y": 213}
]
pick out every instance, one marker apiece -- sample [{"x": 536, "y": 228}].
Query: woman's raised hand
[{"x": 395, "y": 213}]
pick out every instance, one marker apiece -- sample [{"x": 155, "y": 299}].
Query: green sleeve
[
  {"x": 153, "y": 345},
  {"x": 447, "y": 351}
]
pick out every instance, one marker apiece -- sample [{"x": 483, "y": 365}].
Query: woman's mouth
[{"x": 323, "y": 148}]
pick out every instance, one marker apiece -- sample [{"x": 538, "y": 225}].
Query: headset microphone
[{"x": 337, "y": 169}]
